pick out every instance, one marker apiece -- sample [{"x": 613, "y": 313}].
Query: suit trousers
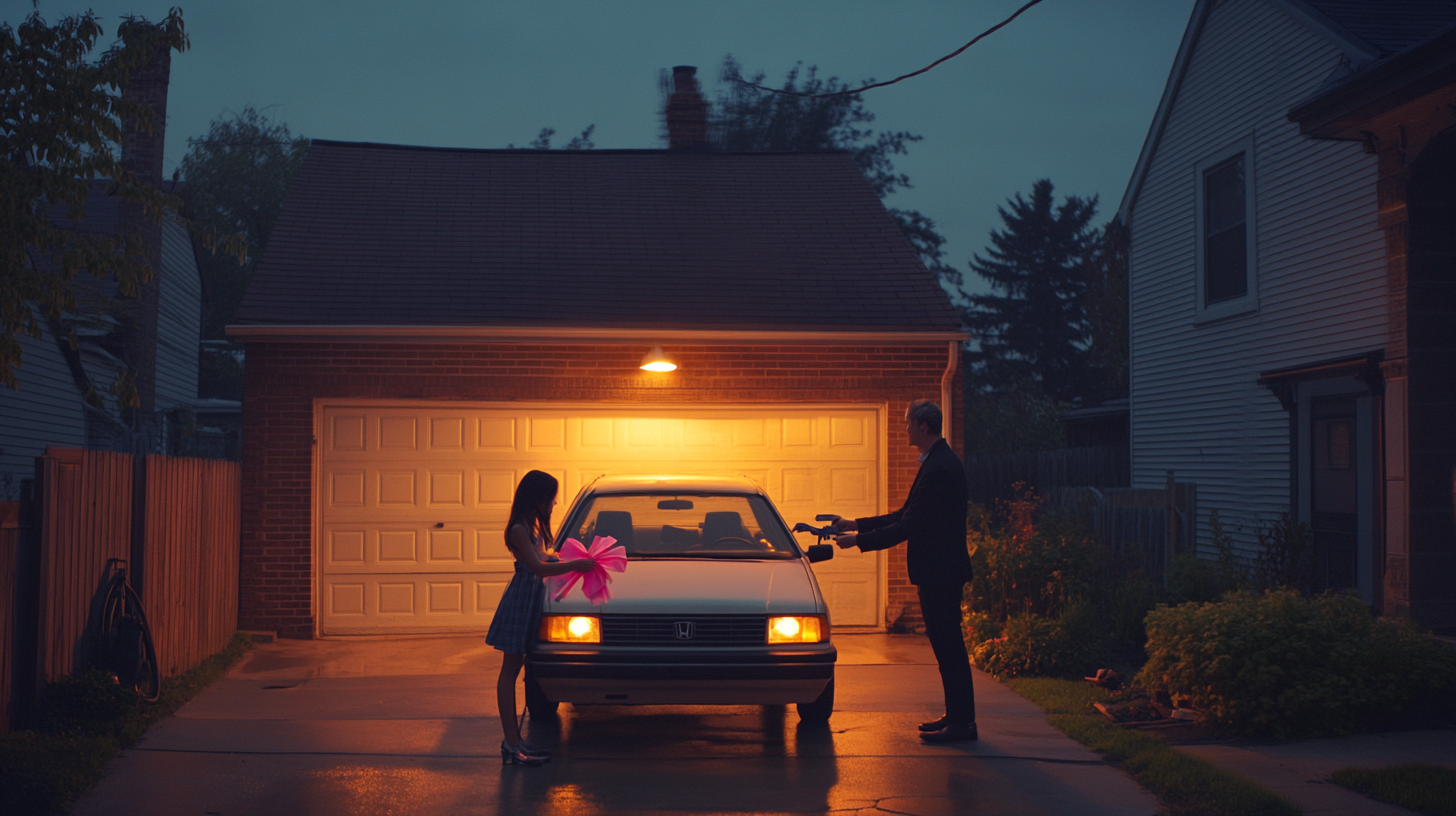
[{"x": 940, "y": 606}]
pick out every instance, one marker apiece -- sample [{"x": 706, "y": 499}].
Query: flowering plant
[{"x": 605, "y": 554}]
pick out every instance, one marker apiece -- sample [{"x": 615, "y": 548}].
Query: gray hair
[{"x": 925, "y": 412}]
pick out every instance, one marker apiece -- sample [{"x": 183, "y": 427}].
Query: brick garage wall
[{"x": 283, "y": 380}]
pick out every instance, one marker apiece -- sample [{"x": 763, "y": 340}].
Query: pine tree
[{"x": 1034, "y": 332}]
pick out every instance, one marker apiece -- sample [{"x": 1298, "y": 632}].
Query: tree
[
  {"x": 747, "y": 119},
  {"x": 1107, "y": 311},
  {"x": 583, "y": 141},
  {"x": 1035, "y": 331},
  {"x": 62, "y": 118},
  {"x": 237, "y": 175}
]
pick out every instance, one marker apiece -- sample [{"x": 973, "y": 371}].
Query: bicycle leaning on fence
[{"x": 124, "y": 639}]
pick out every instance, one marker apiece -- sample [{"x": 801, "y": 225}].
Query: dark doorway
[{"x": 1334, "y": 493}]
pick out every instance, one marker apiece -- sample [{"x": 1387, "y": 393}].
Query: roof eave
[
  {"x": 1342, "y": 112},
  {"x": 557, "y": 335}
]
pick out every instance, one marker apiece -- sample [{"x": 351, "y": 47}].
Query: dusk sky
[{"x": 1065, "y": 92}]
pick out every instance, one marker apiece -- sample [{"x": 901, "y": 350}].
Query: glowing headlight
[
  {"x": 797, "y": 629},
  {"x": 571, "y": 629}
]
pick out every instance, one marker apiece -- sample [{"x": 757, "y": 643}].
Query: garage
[{"x": 411, "y": 497}]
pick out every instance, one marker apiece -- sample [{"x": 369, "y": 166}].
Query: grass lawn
[
  {"x": 42, "y": 771},
  {"x": 1427, "y": 789},
  {"x": 1184, "y": 786}
]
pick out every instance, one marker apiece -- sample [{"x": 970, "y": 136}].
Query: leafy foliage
[
  {"x": 60, "y": 124},
  {"x": 1015, "y": 419},
  {"x": 745, "y": 119},
  {"x": 1026, "y": 566},
  {"x": 1279, "y": 665},
  {"x": 582, "y": 141},
  {"x": 1035, "y": 329},
  {"x": 238, "y": 175},
  {"x": 1035, "y": 646}
]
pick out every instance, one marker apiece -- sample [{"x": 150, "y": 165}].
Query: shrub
[
  {"x": 89, "y": 702},
  {"x": 1026, "y": 565},
  {"x": 1033, "y": 646},
  {"x": 978, "y": 627},
  {"x": 1281, "y": 666}
]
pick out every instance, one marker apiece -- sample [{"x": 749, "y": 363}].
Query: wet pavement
[{"x": 409, "y": 727}]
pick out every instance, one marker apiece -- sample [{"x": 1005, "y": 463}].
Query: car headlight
[
  {"x": 797, "y": 629},
  {"x": 571, "y": 629}
]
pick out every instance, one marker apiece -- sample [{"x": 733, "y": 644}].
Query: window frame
[{"x": 1249, "y": 302}]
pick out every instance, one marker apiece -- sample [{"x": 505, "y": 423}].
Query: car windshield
[{"x": 659, "y": 525}]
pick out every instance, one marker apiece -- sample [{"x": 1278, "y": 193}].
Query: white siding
[
  {"x": 45, "y": 410},
  {"x": 179, "y": 320},
  {"x": 1196, "y": 406}
]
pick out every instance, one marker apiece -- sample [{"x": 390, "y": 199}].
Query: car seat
[
  {"x": 617, "y": 524},
  {"x": 722, "y": 524}
]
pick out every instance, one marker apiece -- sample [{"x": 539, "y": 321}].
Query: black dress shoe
[
  {"x": 953, "y": 733},
  {"x": 934, "y": 725}
]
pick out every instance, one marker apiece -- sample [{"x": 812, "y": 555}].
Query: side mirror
[{"x": 820, "y": 552}]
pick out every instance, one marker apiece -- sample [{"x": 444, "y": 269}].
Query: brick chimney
[
  {"x": 687, "y": 111},
  {"x": 141, "y": 153}
]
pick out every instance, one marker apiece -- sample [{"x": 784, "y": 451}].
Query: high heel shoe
[{"x": 517, "y": 756}]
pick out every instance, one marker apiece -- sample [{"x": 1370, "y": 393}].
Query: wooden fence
[
  {"x": 189, "y": 577},
  {"x": 175, "y": 520},
  {"x": 991, "y": 476},
  {"x": 1147, "y": 526},
  {"x": 86, "y": 502}
]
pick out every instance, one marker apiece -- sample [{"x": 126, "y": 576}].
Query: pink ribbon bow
[{"x": 593, "y": 583}]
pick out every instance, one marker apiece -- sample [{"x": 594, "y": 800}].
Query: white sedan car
[{"x": 717, "y": 606}]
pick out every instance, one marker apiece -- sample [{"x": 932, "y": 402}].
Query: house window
[{"x": 1225, "y": 234}]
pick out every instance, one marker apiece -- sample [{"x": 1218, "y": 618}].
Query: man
[{"x": 933, "y": 520}]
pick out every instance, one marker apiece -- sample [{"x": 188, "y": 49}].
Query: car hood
[{"x": 702, "y": 586}]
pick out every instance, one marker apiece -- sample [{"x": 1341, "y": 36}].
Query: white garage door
[{"x": 413, "y": 498}]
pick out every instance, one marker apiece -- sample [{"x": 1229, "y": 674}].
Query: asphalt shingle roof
[{"x": 392, "y": 235}]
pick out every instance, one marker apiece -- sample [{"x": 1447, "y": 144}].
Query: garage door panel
[
  {"x": 387, "y": 547},
  {"x": 414, "y": 499}
]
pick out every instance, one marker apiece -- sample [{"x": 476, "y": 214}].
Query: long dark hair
[{"x": 531, "y": 507}]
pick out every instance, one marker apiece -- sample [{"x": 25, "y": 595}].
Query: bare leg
[{"x": 505, "y": 697}]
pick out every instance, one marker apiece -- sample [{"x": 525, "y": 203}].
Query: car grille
[{"x": 665, "y": 630}]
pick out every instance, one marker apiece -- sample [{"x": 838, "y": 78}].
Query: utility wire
[{"x": 846, "y": 92}]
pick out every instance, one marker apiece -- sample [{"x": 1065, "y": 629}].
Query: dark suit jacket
[{"x": 933, "y": 520}]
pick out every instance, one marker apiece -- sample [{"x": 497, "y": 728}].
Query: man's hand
[
  {"x": 846, "y": 541},
  {"x": 845, "y": 525}
]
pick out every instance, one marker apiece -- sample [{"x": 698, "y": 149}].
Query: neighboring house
[
  {"x": 1293, "y": 312},
  {"x": 428, "y": 324},
  {"x": 51, "y": 405}
]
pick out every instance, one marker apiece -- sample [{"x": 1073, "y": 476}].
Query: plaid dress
[{"x": 513, "y": 629}]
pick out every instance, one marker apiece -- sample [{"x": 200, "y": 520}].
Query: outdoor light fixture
[{"x": 657, "y": 361}]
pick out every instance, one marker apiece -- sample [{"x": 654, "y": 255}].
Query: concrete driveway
[{"x": 409, "y": 727}]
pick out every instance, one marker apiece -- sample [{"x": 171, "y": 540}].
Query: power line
[{"x": 993, "y": 29}]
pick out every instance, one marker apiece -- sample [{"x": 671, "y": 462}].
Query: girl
[{"x": 513, "y": 629}]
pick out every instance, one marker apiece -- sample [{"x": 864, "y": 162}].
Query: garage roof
[{"x": 396, "y": 236}]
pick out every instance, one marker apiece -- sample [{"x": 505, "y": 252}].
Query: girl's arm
[{"x": 529, "y": 555}]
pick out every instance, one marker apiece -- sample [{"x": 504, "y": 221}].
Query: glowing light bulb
[
  {"x": 579, "y": 626},
  {"x": 787, "y": 627}
]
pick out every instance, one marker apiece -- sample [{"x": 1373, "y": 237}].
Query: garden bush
[
  {"x": 1034, "y": 646},
  {"x": 1280, "y": 665}
]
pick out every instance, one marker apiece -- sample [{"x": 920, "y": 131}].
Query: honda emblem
[{"x": 683, "y": 630}]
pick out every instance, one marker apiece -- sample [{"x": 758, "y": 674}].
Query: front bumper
[{"x": 682, "y": 676}]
